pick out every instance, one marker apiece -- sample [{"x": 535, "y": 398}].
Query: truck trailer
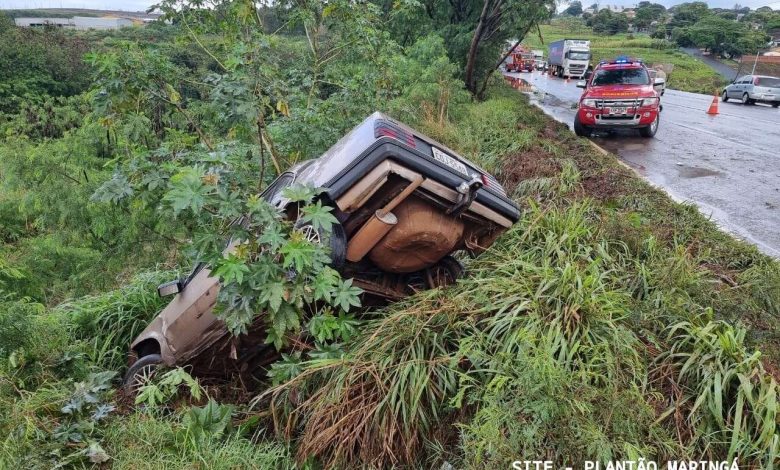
[{"x": 569, "y": 57}]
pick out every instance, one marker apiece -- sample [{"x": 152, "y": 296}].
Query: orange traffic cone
[{"x": 713, "y": 106}]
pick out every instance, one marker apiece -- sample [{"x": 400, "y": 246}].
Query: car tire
[
  {"x": 447, "y": 271},
  {"x": 650, "y": 130},
  {"x": 746, "y": 99},
  {"x": 724, "y": 96},
  {"x": 776, "y": 104},
  {"x": 580, "y": 129},
  {"x": 140, "y": 372}
]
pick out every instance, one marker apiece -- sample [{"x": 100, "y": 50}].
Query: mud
[
  {"x": 532, "y": 163},
  {"x": 605, "y": 186}
]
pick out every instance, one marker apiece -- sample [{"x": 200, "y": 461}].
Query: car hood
[{"x": 620, "y": 91}]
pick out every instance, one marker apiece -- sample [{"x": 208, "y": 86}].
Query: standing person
[{"x": 659, "y": 73}]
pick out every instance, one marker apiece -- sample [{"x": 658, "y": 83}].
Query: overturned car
[{"x": 404, "y": 203}]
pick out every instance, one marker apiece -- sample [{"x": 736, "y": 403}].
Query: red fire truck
[
  {"x": 619, "y": 94},
  {"x": 520, "y": 60}
]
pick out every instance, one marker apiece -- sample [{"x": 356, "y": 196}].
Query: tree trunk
[
  {"x": 471, "y": 60},
  {"x": 481, "y": 90}
]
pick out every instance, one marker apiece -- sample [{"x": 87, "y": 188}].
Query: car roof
[{"x": 321, "y": 171}]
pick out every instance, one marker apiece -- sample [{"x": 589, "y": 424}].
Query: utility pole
[{"x": 754, "y": 65}]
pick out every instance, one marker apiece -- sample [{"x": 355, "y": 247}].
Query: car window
[
  {"x": 768, "y": 81},
  {"x": 621, "y": 77},
  {"x": 574, "y": 55},
  {"x": 278, "y": 185},
  {"x": 740, "y": 80}
]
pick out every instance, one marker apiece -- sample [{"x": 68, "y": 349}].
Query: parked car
[
  {"x": 404, "y": 202},
  {"x": 751, "y": 89},
  {"x": 619, "y": 95}
]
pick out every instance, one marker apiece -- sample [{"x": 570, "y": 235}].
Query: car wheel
[
  {"x": 140, "y": 373},
  {"x": 580, "y": 129},
  {"x": 336, "y": 240},
  {"x": 724, "y": 96},
  {"x": 446, "y": 272},
  {"x": 746, "y": 99},
  {"x": 650, "y": 130},
  {"x": 776, "y": 104},
  {"x": 442, "y": 274}
]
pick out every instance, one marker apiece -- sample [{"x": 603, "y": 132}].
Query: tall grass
[
  {"x": 108, "y": 322},
  {"x": 560, "y": 330}
]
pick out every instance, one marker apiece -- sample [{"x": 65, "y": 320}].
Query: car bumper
[
  {"x": 390, "y": 149},
  {"x": 600, "y": 121},
  {"x": 769, "y": 97}
]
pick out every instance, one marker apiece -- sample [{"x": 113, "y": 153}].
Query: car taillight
[
  {"x": 485, "y": 180},
  {"x": 386, "y": 129},
  {"x": 756, "y": 81}
]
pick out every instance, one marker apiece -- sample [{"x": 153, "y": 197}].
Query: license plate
[
  {"x": 442, "y": 157},
  {"x": 618, "y": 110}
]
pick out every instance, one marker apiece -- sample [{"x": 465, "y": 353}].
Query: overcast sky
[
  {"x": 126, "y": 5},
  {"x": 140, "y": 5}
]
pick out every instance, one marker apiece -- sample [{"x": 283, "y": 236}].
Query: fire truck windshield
[{"x": 633, "y": 76}]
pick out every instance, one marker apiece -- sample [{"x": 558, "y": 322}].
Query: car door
[{"x": 733, "y": 89}]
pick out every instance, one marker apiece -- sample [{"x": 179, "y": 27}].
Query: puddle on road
[{"x": 696, "y": 172}]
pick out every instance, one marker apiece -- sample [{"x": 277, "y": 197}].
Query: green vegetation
[
  {"x": 609, "y": 323},
  {"x": 688, "y": 73}
]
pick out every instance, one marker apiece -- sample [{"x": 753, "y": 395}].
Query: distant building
[
  {"x": 77, "y": 22},
  {"x": 618, "y": 8}
]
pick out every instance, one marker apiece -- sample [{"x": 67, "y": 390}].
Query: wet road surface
[
  {"x": 722, "y": 69},
  {"x": 728, "y": 164}
]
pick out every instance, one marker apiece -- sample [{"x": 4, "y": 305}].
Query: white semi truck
[{"x": 569, "y": 57}]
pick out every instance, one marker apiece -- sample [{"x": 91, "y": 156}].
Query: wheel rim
[
  {"x": 310, "y": 234},
  {"x": 654, "y": 125},
  {"x": 142, "y": 377},
  {"x": 745, "y": 98}
]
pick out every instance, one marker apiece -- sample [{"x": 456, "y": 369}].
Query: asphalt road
[
  {"x": 724, "y": 70},
  {"x": 728, "y": 164}
]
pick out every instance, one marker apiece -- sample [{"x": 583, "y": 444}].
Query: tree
[
  {"x": 647, "y": 12},
  {"x": 574, "y": 9},
  {"x": 722, "y": 36},
  {"x": 686, "y": 14},
  {"x": 607, "y": 22},
  {"x": 474, "y": 31}
]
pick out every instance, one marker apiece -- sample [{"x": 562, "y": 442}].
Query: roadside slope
[{"x": 609, "y": 323}]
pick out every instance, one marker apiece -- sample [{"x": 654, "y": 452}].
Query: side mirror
[
  {"x": 582, "y": 84},
  {"x": 170, "y": 288},
  {"x": 659, "y": 81}
]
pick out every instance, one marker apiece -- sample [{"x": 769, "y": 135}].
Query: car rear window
[
  {"x": 768, "y": 81},
  {"x": 621, "y": 77}
]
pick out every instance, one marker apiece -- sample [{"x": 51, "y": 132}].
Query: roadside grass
[
  {"x": 606, "y": 297},
  {"x": 144, "y": 441},
  {"x": 609, "y": 323},
  {"x": 689, "y": 74}
]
